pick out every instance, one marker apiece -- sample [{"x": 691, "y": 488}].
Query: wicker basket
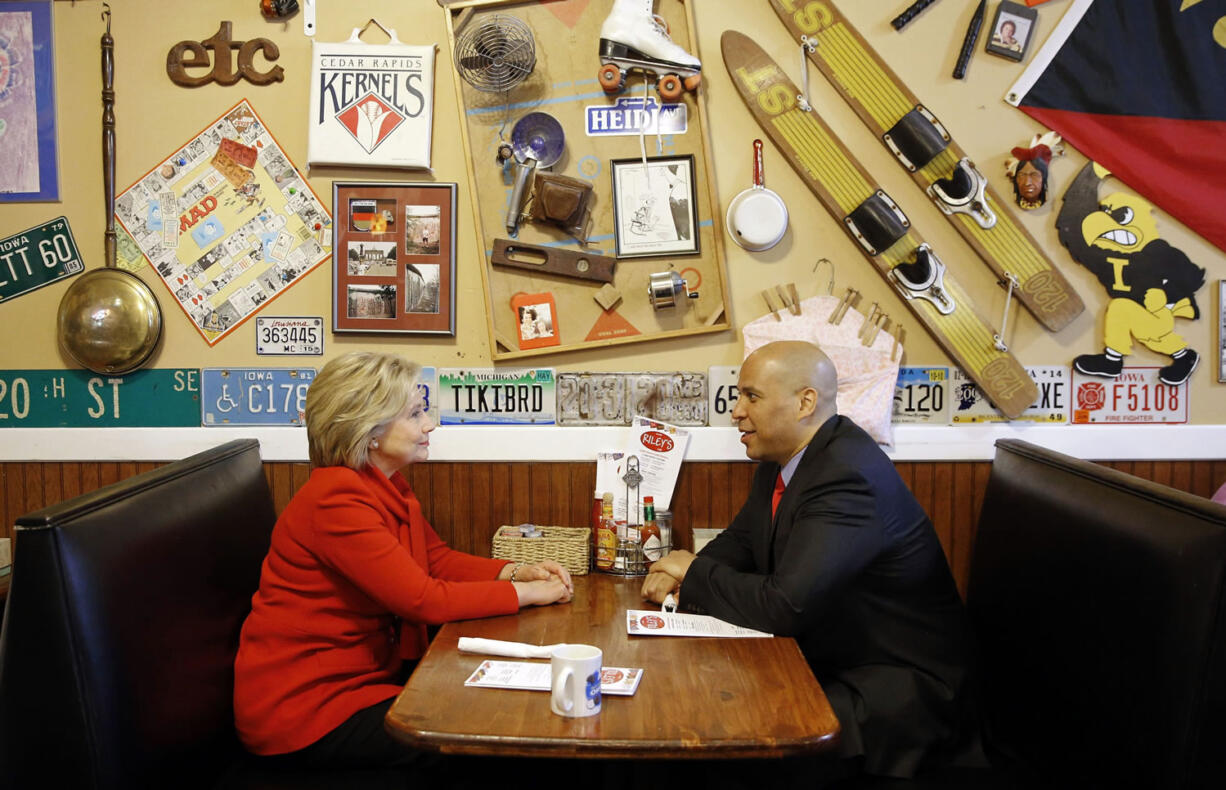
[{"x": 570, "y": 547}]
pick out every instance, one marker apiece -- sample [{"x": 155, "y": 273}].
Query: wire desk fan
[{"x": 496, "y": 53}]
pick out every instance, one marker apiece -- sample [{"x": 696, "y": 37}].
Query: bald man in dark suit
[{"x": 832, "y": 549}]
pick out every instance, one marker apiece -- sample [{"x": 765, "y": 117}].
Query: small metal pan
[{"x": 757, "y": 218}]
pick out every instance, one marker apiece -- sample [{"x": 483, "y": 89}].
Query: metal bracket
[
  {"x": 917, "y": 138},
  {"x": 877, "y": 223},
  {"x": 308, "y": 17},
  {"x": 923, "y": 278},
  {"x": 963, "y": 193}
]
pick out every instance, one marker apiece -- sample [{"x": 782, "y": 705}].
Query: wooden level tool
[{"x": 552, "y": 260}]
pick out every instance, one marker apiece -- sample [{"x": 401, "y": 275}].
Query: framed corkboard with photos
[{"x": 393, "y": 261}]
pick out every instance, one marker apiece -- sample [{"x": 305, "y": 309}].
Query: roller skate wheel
[
  {"x": 611, "y": 78},
  {"x": 669, "y": 87},
  {"x": 692, "y": 82}
]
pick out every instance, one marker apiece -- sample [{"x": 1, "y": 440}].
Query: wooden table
[{"x": 699, "y": 697}]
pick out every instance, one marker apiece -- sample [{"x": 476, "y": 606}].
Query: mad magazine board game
[{"x": 227, "y": 221}]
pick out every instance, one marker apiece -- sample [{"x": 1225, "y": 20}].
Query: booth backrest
[
  {"x": 1097, "y": 598},
  {"x": 118, "y": 643}
]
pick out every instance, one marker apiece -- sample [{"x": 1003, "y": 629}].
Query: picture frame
[
  {"x": 655, "y": 212},
  {"x": 1013, "y": 28},
  {"x": 29, "y": 157},
  {"x": 394, "y": 254}
]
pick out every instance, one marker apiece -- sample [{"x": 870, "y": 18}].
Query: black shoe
[
  {"x": 1099, "y": 365},
  {"x": 1180, "y": 368}
]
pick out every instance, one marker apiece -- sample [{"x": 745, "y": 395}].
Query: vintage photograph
[
  {"x": 421, "y": 288},
  {"x": 421, "y": 230},
  {"x": 538, "y": 319},
  {"x": 394, "y": 271},
  {"x": 654, "y": 206},
  {"x": 535, "y": 321},
  {"x": 1011, "y": 30},
  {"x": 371, "y": 301},
  {"x": 371, "y": 258}
]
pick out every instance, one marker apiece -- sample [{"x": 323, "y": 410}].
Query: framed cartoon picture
[
  {"x": 1012, "y": 29},
  {"x": 393, "y": 262},
  {"x": 654, "y": 207}
]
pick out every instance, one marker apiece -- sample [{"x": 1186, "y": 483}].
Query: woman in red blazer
[{"x": 355, "y": 574}]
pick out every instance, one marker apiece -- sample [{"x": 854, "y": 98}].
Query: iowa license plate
[
  {"x": 36, "y": 257},
  {"x": 1135, "y": 396},
  {"x": 254, "y": 396}
]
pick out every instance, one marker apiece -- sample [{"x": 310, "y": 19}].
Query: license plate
[
  {"x": 429, "y": 392},
  {"x": 289, "y": 336},
  {"x": 36, "y": 257},
  {"x": 254, "y": 396},
  {"x": 722, "y": 393},
  {"x": 153, "y": 398},
  {"x": 1051, "y": 406},
  {"x": 489, "y": 396},
  {"x": 1135, "y": 396},
  {"x": 921, "y": 396},
  {"x": 674, "y": 398},
  {"x": 592, "y": 399}
]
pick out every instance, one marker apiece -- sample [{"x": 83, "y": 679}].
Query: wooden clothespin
[
  {"x": 790, "y": 297},
  {"x": 850, "y": 299},
  {"x": 770, "y": 304},
  {"x": 899, "y": 335},
  {"x": 869, "y": 322},
  {"x": 881, "y": 324}
]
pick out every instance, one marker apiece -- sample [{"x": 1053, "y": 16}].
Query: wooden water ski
[
  {"x": 935, "y": 161},
  {"x": 879, "y": 228}
]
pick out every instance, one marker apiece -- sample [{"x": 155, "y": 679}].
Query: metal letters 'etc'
[{"x": 192, "y": 54}]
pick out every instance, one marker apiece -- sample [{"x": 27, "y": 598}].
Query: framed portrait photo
[
  {"x": 1012, "y": 30},
  {"x": 393, "y": 261},
  {"x": 654, "y": 207}
]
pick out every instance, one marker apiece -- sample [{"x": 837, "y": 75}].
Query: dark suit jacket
[{"x": 852, "y": 568}]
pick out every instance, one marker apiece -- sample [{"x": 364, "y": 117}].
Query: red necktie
[{"x": 777, "y": 495}]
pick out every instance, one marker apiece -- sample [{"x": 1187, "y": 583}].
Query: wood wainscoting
[{"x": 466, "y": 501}]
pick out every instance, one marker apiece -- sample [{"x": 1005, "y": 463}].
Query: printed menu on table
[
  {"x": 528, "y": 676},
  {"x": 644, "y": 622}
]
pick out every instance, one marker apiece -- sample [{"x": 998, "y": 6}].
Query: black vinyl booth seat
[
  {"x": 117, "y": 651},
  {"x": 118, "y": 644},
  {"x": 1097, "y": 600}
]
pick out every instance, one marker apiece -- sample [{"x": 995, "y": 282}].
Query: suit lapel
[{"x": 781, "y": 526}]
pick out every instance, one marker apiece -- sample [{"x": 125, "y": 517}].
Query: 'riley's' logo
[{"x": 654, "y": 440}]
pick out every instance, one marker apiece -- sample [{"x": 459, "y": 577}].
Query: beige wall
[{"x": 154, "y": 116}]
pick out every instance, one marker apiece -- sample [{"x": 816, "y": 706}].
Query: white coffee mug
[{"x": 576, "y": 680}]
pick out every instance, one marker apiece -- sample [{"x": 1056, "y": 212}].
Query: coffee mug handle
[{"x": 559, "y": 687}]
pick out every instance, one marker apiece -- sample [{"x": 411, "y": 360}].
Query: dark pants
[{"x": 359, "y": 742}]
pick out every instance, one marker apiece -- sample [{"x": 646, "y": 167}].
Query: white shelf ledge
[{"x": 546, "y": 443}]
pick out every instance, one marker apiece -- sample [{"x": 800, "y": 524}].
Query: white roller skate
[{"x": 633, "y": 37}]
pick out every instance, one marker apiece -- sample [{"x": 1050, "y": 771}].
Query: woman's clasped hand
[{"x": 539, "y": 583}]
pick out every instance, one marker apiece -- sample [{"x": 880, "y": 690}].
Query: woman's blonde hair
[{"x": 353, "y": 399}]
